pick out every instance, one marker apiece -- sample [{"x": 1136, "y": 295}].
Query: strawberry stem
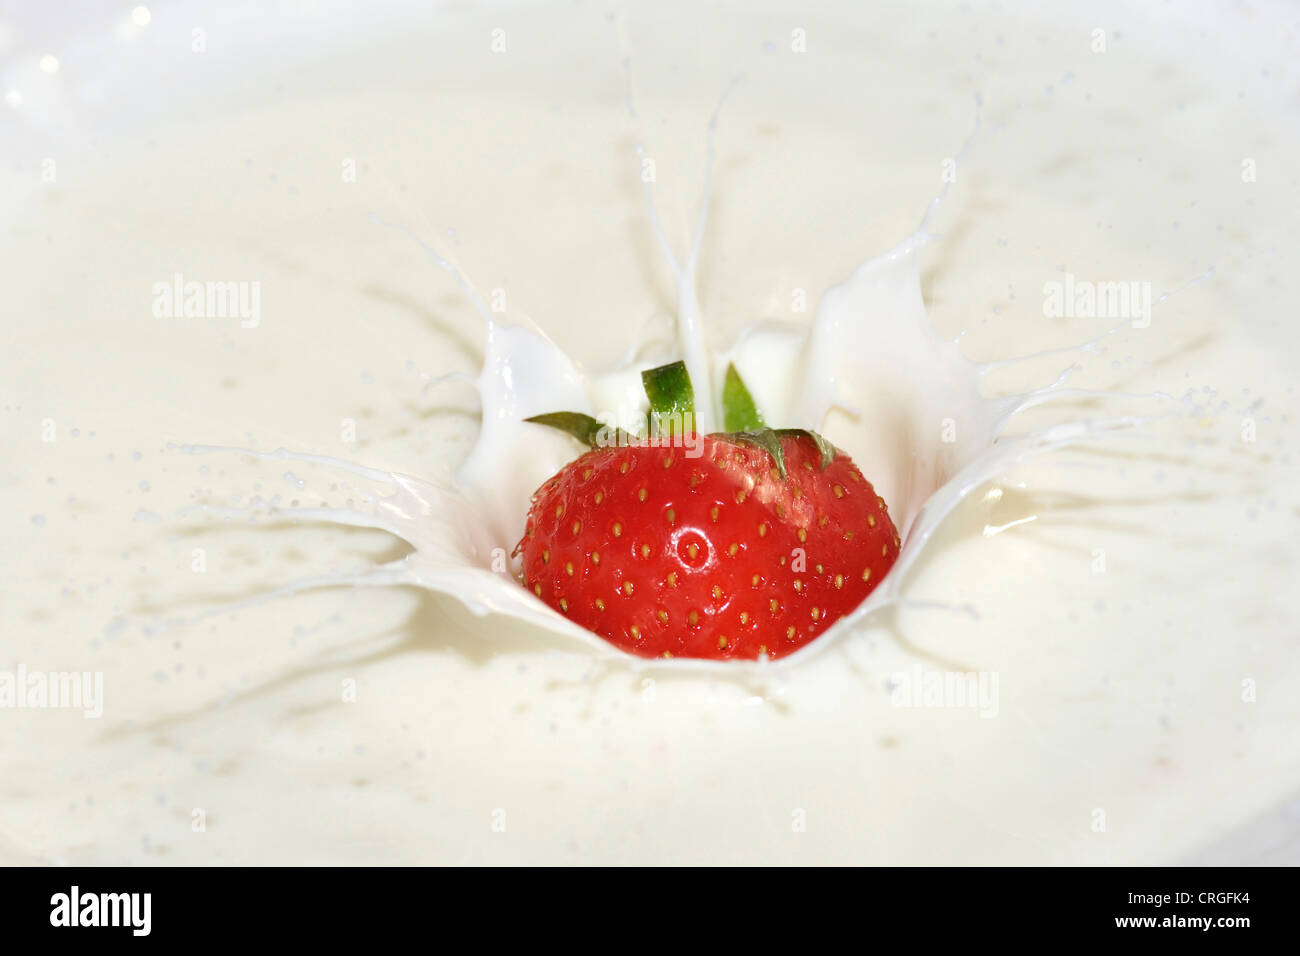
[
  {"x": 739, "y": 413},
  {"x": 672, "y": 409},
  {"x": 672, "y": 400}
]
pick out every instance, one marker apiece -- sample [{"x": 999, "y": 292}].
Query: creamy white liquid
[{"x": 1118, "y": 690}]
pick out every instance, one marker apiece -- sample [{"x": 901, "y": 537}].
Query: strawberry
[{"x": 739, "y": 545}]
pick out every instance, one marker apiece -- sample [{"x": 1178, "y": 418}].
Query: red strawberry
[
  {"x": 717, "y": 556},
  {"x": 754, "y": 547}
]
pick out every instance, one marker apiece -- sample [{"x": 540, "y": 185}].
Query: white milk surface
[{"x": 1092, "y": 657}]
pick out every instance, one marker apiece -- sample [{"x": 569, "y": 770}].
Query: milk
[{"x": 1120, "y": 611}]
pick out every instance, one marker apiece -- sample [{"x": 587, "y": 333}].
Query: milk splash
[{"x": 871, "y": 373}]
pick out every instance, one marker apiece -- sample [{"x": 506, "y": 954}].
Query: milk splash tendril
[{"x": 870, "y": 372}]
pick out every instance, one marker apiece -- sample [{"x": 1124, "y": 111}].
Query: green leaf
[
  {"x": 671, "y": 397},
  {"x": 826, "y": 448},
  {"x": 769, "y": 440},
  {"x": 764, "y": 439},
  {"x": 739, "y": 413},
  {"x": 589, "y": 431}
]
